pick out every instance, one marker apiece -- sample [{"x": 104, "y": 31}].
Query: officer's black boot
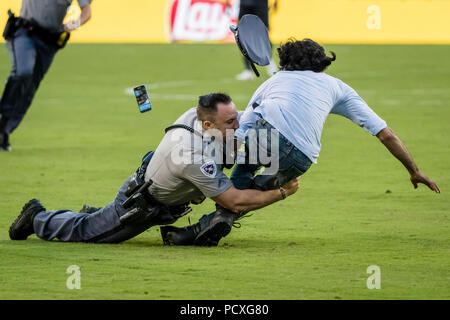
[
  {"x": 206, "y": 232},
  {"x": 22, "y": 227},
  {"x": 173, "y": 236},
  {"x": 219, "y": 227},
  {"x": 185, "y": 236}
]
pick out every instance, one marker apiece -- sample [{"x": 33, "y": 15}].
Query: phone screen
[{"x": 142, "y": 98}]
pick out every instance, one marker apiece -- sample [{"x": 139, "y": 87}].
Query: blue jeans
[{"x": 292, "y": 163}]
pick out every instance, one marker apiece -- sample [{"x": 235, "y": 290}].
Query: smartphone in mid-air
[{"x": 142, "y": 98}]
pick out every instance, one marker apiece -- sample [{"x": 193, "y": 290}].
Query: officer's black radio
[{"x": 138, "y": 178}]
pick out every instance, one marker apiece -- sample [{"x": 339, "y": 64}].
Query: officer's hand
[
  {"x": 72, "y": 25},
  {"x": 291, "y": 187}
]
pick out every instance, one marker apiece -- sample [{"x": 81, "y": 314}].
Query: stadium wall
[{"x": 328, "y": 21}]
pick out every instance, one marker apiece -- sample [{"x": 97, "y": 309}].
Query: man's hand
[
  {"x": 291, "y": 187},
  {"x": 419, "y": 177},
  {"x": 398, "y": 150}
]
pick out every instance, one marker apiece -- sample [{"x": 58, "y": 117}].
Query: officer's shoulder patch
[{"x": 209, "y": 168}]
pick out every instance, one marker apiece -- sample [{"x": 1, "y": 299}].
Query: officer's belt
[
  {"x": 139, "y": 196},
  {"x": 58, "y": 39}
]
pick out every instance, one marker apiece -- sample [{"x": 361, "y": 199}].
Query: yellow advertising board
[
  {"x": 364, "y": 21},
  {"x": 330, "y": 21}
]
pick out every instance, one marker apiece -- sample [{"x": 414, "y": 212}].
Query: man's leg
[
  {"x": 291, "y": 162},
  {"x": 292, "y": 165},
  {"x": 88, "y": 209},
  {"x": 243, "y": 173},
  {"x": 103, "y": 226},
  {"x": 71, "y": 226}
]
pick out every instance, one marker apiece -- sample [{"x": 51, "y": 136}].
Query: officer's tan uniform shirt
[{"x": 180, "y": 170}]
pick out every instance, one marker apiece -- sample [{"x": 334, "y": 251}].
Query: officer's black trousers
[{"x": 31, "y": 58}]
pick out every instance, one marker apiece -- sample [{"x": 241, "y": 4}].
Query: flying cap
[{"x": 252, "y": 38}]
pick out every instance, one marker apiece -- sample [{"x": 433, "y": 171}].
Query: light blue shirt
[{"x": 297, "y": 104}]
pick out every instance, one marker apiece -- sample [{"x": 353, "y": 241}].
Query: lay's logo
[{"x": 202, "y": 20}]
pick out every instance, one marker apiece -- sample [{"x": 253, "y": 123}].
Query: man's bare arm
[
  {"x": 398, "y": 150},
  {"x": 245, "y": 200}
]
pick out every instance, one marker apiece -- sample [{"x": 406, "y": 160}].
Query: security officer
[
  {"x": 32, "y": 41},
  {"x": 183, "y": 168},
  {"x": 259, "y": 8}
]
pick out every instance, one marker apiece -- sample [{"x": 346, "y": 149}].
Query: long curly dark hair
[{"x": 303, "y": 55}]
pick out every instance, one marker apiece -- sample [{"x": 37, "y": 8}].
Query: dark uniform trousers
[
  {"x": 102, "y": 226},
  {"x": 31, "y": 58}
]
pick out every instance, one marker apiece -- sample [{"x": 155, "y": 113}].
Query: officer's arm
[
  {"x": 85, "y": 14},
  {"x": 246, "y": 200},
  {"x": 398, "y": 150}
]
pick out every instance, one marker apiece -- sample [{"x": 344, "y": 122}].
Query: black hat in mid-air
[{"x": 252, "y": 39}]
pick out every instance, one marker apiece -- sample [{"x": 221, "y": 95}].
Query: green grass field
[{"x": 83, "y": 136}]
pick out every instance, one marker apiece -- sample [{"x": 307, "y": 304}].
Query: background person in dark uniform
[
  {"x": 32, "y": 43},
  {"x": 259, "y": 8}
]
